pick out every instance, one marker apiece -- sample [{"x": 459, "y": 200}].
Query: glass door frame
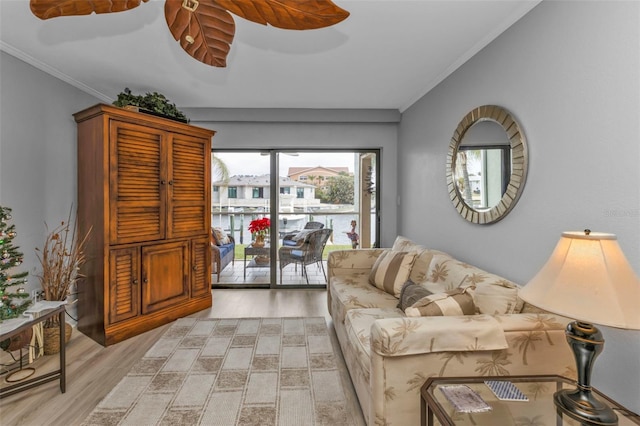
[{"x": 274, "y": 193}]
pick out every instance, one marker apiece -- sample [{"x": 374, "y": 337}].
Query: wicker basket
[{"x": 52, "y": 338}]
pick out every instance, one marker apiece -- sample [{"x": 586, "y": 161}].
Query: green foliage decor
[
  {"x": 13, "y": 303},
  {"x": 339, "y": 190},
  {"x": 153, "y": 102}
]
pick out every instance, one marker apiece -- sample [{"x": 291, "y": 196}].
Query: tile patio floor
[{"x": 234, "y": 274}]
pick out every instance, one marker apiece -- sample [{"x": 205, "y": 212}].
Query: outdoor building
[
  {"x": 254, "y": 192},
  {"x": 316, "y": 175}
]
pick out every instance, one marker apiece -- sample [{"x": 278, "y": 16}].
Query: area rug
[{"x": 251, "y": 371}]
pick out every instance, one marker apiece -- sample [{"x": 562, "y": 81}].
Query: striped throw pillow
[
  {"x": 452, "y": 303},
  {"x": 391, "y": 270}
]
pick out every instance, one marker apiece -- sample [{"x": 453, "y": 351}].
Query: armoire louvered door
[
  {"x": 188, "y": 190},
  {"x": 124, "y": 287},
  {"x": 138, "y": 188},
  {"x": 200, "y": 266}
]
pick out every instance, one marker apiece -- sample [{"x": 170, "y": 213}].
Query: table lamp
[{"x": 589, "y": 279}]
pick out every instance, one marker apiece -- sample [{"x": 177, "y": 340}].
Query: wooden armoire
[{"x": 144, "y": 192}]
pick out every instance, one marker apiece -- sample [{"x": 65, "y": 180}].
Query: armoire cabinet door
[
  {"x": 124, "y": 288},
  {"x": 136, "y": 182},
  {"x": 189, "y": 186},
  {"x": 165, "y": 275},
  {"x": 200, "y": 267}
]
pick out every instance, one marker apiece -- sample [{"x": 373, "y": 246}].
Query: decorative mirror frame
[{"x": 519, "y": 160}]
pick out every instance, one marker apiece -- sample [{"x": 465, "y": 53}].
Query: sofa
[
  {"x": 408, "y": 313},
  {"x": 223, "y": 248}
]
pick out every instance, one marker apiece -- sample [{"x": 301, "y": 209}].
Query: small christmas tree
[{"x": 13, "y": 304}]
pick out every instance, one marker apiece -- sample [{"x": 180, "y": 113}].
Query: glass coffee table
[{"x": 539, "y": 410}]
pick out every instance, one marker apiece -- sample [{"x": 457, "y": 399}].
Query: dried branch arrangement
[{"x": 61, "y": 258}]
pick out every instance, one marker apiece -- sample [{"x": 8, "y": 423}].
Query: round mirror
[{"x": 486, "y": 164}]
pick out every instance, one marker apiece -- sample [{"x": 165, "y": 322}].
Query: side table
[
  {"x": 255, "y": 251},
  {"x": 539, "y": 409},
  {"x": 40, "y": 312}
]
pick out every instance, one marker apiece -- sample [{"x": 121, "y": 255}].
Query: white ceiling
[{"x": 386, "y": 55}]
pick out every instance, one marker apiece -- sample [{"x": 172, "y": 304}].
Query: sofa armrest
[
  {"x": 346, "y": 262},
  {"x": 409, "y": 336},
  {"x": 536, "y": 345},
  {"x": 215, "y": 252}
]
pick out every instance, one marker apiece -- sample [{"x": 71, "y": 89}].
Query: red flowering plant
[{"x": 260, "y": 226}]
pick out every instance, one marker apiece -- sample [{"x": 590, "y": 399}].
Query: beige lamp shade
[{"x": 589, "y": 279}]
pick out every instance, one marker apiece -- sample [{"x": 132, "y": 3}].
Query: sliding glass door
[{"x": 304, "y": 203}]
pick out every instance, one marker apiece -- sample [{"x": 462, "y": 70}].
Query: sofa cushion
[
  {"x": 423, "y": 257},
  {"x": 220, "y": 236},
  {"x": 354, "y": 291},
  {"x": 391, "y": 270},
  {"x": 493, "y": 294},
  {"x": 497, "y": 296},
  {"x": 410, "y": 294},
  {"x": 303, "y": 235},
  {"x": 528, "y": 308},
  {"x": 405, "y": 244},
  {"x": 421, "y": 265},
  {"x": 226, "y": 248},
  {"x": 454, "y": 302}
]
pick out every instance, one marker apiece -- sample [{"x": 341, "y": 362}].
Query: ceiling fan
[{"x": 205, "y": 28}]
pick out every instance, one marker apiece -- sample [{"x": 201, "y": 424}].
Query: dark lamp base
[
  {"x": 583, "y": 406},
  {"x": 586, "y": 342}
]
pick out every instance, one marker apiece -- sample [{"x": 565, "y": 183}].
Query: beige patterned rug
[{"x": 252, "y": 371}]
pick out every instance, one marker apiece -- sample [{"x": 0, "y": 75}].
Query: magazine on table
[{"x": 464, "y": 399}]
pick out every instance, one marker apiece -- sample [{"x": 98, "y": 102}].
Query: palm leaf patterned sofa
[{"x": 390, "y": 354}]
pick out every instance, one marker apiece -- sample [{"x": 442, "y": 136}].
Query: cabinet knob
[
  {"x": 163, "y": 182},
  {"x": 170, "y": 182},
  {"x": 135, "y": 282},
  {"x": 146, "y": 281},
  {"x": 195, "y": 267}
]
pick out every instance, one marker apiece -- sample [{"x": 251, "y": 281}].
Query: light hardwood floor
[{"x": 93, "y": 370}]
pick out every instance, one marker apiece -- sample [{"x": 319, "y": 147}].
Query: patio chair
[
  {"x": 291, "y": 238},
  {"x": 307, "y": 252}
]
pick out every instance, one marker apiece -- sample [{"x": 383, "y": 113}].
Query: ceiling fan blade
[
  {"x": 287, "y": 14},
  {"x": 46, "y": 9},
  {"x": 205, "y": 34}
]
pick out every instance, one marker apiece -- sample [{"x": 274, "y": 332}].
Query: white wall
[
  {"x": 569, "y": 72},
  {"x": 37, "y": 152}
]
